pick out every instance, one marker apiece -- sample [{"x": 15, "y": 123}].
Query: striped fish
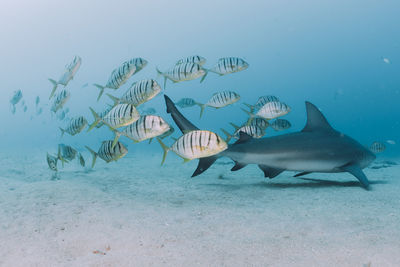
[
  {"x": 262, "y": 100},
  {"x": 228, "y": 65},
  {"x": 120, "y": 75},
  {"x": 17, "y": 96},
  {"x": 118, "y": 116},
  {"x": 280, "y": 125},
  {"x": 273, "y": 110},
  {"x": 195, "y": 144},
  {"x": 259, "y": 122},
  {"x": 219, "y": 100},
  {"x": 377, "y": 147},
  {"x": 183, "y": 72},
  {"x": 146, "y": 127},
  {"x": 69, "y": 73},
  {"x": 52, "y": 162},
  {"x": 139, "y": 93},
  {"x": 192, "y": 59},
  {"x": 186, "y": 102},
  {"x": 252, "y": 130},
  {"x": 60, "y": 99},
  {"x": 107, "y": 153},
  {"x": 75, "y": 126},
  {"x": 102, "y": 114}
]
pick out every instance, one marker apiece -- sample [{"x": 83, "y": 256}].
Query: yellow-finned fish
[
  {"x": 183, "y": 72},
  {"x": 75, "y": 126},
  {"x": 120, "y": 75},
  {"x": 262, "y": 100},
  {"x": 139, "y": 93},
  {"x": 269, "y": 111},
  {"x": 195, "y": 144},
  {"x": 377, "y": 147},
  {"x": 108, "y": 153},
  {"x": 228, "y": 65},
  {"x": 69, "y": 73},
  {"x": 219, "y": 100},
  {"x": 118, "y": 116},
  {"x": 146, "y": 127},
  {"x": 251, "y": 130}
]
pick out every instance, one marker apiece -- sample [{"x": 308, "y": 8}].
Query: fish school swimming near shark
[{"x": 316, "y": 148}]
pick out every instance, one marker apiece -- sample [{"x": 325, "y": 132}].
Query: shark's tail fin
[{"x": 54, "y": 87}]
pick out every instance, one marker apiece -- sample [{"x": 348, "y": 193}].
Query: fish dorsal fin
[
  {"x": 243, "y": 138},
  {"x": 316, "y": 121}
]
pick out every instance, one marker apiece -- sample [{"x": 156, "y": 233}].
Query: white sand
[{"x": 153, "y": 216}]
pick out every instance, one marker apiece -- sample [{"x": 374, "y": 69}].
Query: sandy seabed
[{"x": 136, "y": 213}]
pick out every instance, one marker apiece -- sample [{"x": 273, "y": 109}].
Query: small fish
[
  {"x": 391, "y": 142},
  {"x": 37, "y": 101},
  {"x": 107, "y": 153},
  {"x": 61, "y": 115},
  {"x": 186, "y": 103},
  {"x": 69, "y": 73},
  {"x": 85, "y": 85},
  {"x": 139, "y": 93},
  {"x": 183, "y": 72},
  {"x": 146, "y": 127},
  {"x": 259, "y": 122},
  {"x": 195, "y": 144},
  {"x": 270, "y": 111},
  {"x": 25, "y": 108},
  {"x": 119, "y": 116},
  {"x": 67, "y": 153},
  {"x": 52, "y": 162},
  {"x": 252, "y": 130},
  {"x": 386, "y": 60},
  {"x": 192, "y": 59},
  {"x": 228, "y": 65},
  {"x": 120, "y": 75},
  {"x": 262, "y": 100},
  {"x": 59, "y": 100},
  {"x": 280, "y": 125},
  {"x": 75, "y": 126},
  {"x": 219, "y": 100},
  {"x": 17, "y": 96},
  {"x": 81, "y": 160},
  {"x": 39, "y": 111},
  {"x": 377, "y": 147}
]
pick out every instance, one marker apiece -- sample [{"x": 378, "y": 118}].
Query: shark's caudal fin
[
  {"x": 316, "y": 121},
  {"x": 185, "y": 125}
]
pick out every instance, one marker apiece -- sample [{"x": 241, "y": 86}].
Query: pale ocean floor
[{"x": 141, "y": 214}]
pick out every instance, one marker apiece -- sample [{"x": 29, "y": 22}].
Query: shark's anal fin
[
  {"x": 301, "y": 174},
  {"x": 238, "y": 166},
  {"x": 355, "y": 170},
  {"x": 204, "y": 164},
  {"x": 270, "y": 172}
]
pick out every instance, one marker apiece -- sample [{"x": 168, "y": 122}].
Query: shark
[{"x": 318, "y": 147}]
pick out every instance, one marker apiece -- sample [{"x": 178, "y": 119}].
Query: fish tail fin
[
  {"x": 251, "y": 116},
  {"x": 234, "y": 126},
  {"x": 94, "y": 154},
  {"x": 117, "y": 136},
  {"x": 251, "y": 107},
  {"x": 60, "y": 157},
  {"x": 97, "y": 119},
  {"x": 115, "y": 99},
  {"x": 202, "y": 107},
  {"x": 62, "y": 131},
  {"x": 54, "y": 87},
  {"x": 160, "y": 73},
  {"x": 165, "y": 149},
  {"x": 204, "y": 76},
  {"x": 101, "y": 88},
  {"x": 228, "y": 135}
]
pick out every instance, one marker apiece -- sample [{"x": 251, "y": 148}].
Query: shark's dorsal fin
[
  {"x": 316, "y": 121},
  {"x": 243, "y": 137}
]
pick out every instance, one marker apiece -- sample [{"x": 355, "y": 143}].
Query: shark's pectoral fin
[
  {"x": 243, "y": 138},
  {"x": 270, "y": 172},
  {"x": 238, "y": 166},
  {"x": 301, "y": 174},
  {"x": 355, "y": 170},
  {"x": 204, "y": 164}
]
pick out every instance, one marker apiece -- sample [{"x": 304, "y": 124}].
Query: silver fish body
[
  {"x": 141, "y": 92},
  {"x": 229, "y": 65},
  {"x": 121, "y": 115},
  {"x": 186, "y": 102},
  {"x": 17, "y": 96},
  {"x": 280, "y": 125},
  {"x": 251, "y": 130},
  {"x": 259, "y": 122},
  {"x": 60, "y": 99},
  {"x": 75, "y": 126},
  {"x": 107, "y": 152},
  {"x": 183, "y": 72},
  {"x": 146, "y": 127},
  {"x": 273, "y": 110},
  {"x": 52, "y": 162},
  {"x": 377, "y": 147},
  {"x": 192, "y": 59},
  {"x": 67, "y": 152}
]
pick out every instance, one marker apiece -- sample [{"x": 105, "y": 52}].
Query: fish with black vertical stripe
[{"x": 107, "y": 152}]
